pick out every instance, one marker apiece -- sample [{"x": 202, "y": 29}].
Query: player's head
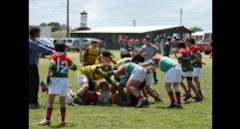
[
  {"x": 156, "y": 59},
  {"x": 104, "y": 86},
  {"x": 189, "y": 42},
  {"x": 35, "y": 31},
  {"x": 94, "y": 43},
  {"x": 106, "y": 55},
  {"x": 60, "y": 46},
  {"x": 125, "y": 54},
  {"x": 106, "y": 67},
  {"x": 138, "y": 58},
  {"x": 181, "y": 44}
]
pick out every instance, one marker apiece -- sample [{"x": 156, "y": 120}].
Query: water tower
[{"x": 83, "y": 19}]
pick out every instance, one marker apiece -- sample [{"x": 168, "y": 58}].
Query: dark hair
[
  {"x": 94, "y": 41},
  {"x": 191, "y": 40},
  {"x": 34, "y": 30},
  {"x": 106, "y": 54},
  {"x": 138, "y": 58},
  {"x": 125, "y": 54},
  {"x": 60, "y": 46},
  {"x": 181, "y": 45}
]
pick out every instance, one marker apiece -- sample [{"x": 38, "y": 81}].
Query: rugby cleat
[
  {"x": 172, "y": 105},
  {"x": 44, "y": 123},
  {"x": 187, "y": 97},
  {"x": 141, "y": 102},
  {"x": 63, "y": 123}
]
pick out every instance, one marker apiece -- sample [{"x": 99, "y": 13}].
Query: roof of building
[{"x": 128, "y": 29}]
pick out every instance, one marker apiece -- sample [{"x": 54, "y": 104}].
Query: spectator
[
  {"x": 150, "y": 51},
  {"x": 35, "y": 48},
  {"x": 167, "y": 47}
]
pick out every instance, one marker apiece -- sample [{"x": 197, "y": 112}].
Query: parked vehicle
[
  {"x": 203, "y": 40},
  {"x": 85, "y": 42},
  {"x": 71, "y": 43},
  {"x": 46, "y": 42}
]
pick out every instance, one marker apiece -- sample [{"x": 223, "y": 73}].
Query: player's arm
[
  {"x": 197, "y": 58},
  {"x": 44, "y": 49},
  {"x": 113, "y": 59},
  {"x": 85, "y": 54},
  {"x": 71, "y": 66},
  {"x": 51, "y": 67}
]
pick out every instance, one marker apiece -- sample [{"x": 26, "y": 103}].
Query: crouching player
[
  {"x": 58, "y": 80},
  {"x": 173, "y": 75},
  {"x": 137, "y": 75}
]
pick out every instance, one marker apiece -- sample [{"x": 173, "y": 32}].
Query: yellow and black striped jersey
[{"x": 90, "y": 55}]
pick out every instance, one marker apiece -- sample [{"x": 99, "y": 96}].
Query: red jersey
[
  {"x": 136, "y": 40},
  {"x": 122, "y": 40},
  {"x": 194, "y": 49},
  {"x": 184, "y": 52},
  {"x": 60, "y": 64}
]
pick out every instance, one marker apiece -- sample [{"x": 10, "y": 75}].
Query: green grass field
[{"x": 156, "y": 116}]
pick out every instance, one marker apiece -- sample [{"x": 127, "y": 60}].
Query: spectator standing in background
[
  {"x": 35, "y": 48},
  {"x": 150, "y": 51},
  {"x": 167, "y": 47}
]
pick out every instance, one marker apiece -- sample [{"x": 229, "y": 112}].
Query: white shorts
[
  {"x": 59, "y": 86},
  {"x": 173, "y": 75},
  {"x": 149, "y": 79},
  {"x": 187, "y": 74},
  {"x": 139, "y": 74},
  {"x": 197, "y": 72},
  {"x": 82, "y": 79}
]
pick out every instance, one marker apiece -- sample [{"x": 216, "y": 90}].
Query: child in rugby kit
[
  {"x": 173, "y": 75},
  {"x": 183, "y": 57},
  {"x": 58, "y": 80},
  {"x": 195, "y": 54}
]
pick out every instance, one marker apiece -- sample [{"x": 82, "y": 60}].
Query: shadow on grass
[{"x": 59, "y": 126}]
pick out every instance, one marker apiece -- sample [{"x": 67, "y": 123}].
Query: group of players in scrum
[{"x": 129, "y": 73}]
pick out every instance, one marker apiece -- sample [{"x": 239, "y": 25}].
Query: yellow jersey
[{"x": 90, "y": 55}]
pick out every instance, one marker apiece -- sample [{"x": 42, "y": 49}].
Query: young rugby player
[
  {"x": 187, "y": 70},
  {"x": 58, "y": 80},
  {"x": 196, "y": 61},
  {"x": 173, "y": 75}
]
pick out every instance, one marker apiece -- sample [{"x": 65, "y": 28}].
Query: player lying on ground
[
  {"x": 90, "y": 74},
  {"x": 173, "y": 75},
  {"x": 183, "y": 57},
  {"x": 58, "y": 80},
  {"x": 94, "y": 97}
]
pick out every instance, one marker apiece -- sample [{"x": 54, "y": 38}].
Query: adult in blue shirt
[
  {"x": 167, "y": 47},
  {"x": 35, "y": 48}
]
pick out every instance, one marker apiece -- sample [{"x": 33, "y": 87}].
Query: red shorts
[{"x": 89, "y": 97}]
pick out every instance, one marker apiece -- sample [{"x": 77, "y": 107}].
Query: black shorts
[{"x": 188, "y": 78}]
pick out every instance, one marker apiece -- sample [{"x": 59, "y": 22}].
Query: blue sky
[{"x": 104, "y": 13}]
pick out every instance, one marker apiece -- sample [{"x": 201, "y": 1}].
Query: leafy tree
[
  {"x": 194, "y": 29},
  {"x": 43, "y": 24},
  {"x": 55, "y": 26}
]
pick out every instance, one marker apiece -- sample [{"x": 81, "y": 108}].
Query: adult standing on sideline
[
  {"x": 34, "y": 49},
  {"x": 167, "y": 47},
  {"x": 150, "y": 50}
]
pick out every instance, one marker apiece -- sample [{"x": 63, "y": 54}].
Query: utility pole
[
  {"x": 134, "y": 22},
  {"x": 180, "y": 16},
  {"x": 67, "y": 18}
]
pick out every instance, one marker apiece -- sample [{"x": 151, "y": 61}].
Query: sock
[
  {"x": 200, "y": 92},
  {"x": 139, "y": 97},
  {"x": 49, "y": 113},
  {"x": 170, "y": 94},
  {"x": 158, "y": 98},
  {"x": 178, "y": 96},
  {"x": 63, "y": 113}
]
